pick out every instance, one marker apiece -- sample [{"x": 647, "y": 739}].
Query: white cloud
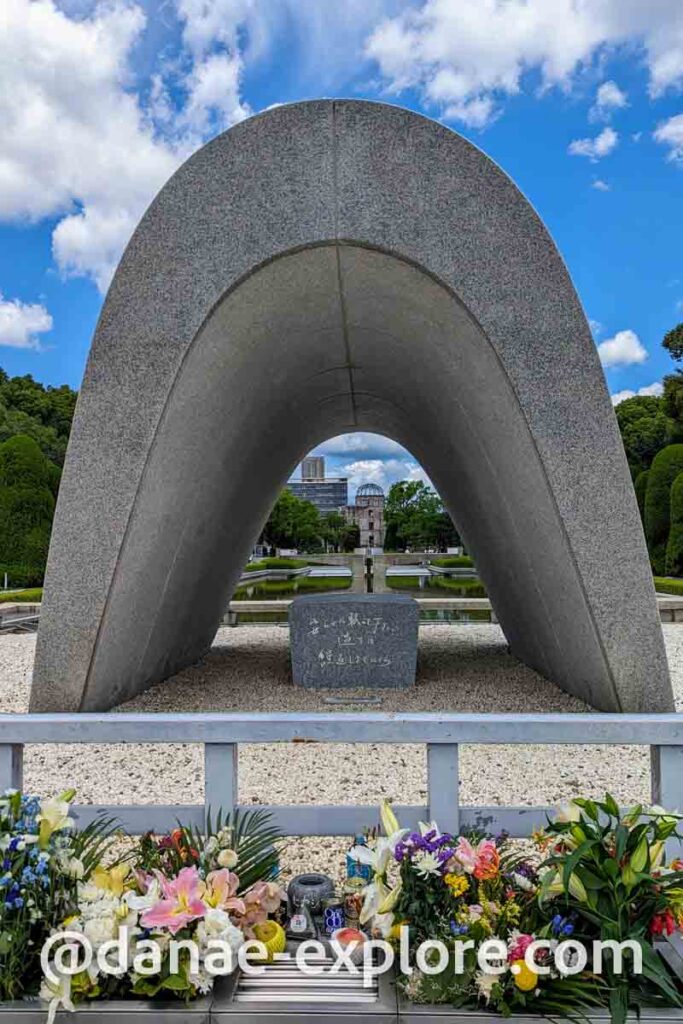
[
  {"x": 361, "y": 443},
  {"x": 384, "y": 472},
  {"x": 655, "y": 390},
  {"x": 597, "y": 148},
  {"x": 213, "y": 102},
  {"x": 79, "y": 144},
  {"x": 21, "y": 323},
  {"x": 624, "y": 349},
  {"x": 208, "y": 22},
  {"x": 457, "y": 53},
  {"x": 670, "y": 133},
  {"x": 608, "y": 98},
  {"x": 601, "y": 186}
]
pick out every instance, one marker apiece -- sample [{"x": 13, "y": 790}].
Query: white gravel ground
[{"x": 461, "y": 668}]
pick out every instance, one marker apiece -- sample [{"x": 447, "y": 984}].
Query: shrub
[
  {"x": 459, "y": 587},
  {"x": 33, "y": 596},
  {"x": 666, "y": 586},
  {"x": 26, "y": 504},
  {"x": 640, "y": 487},
  {"x": 275, "y": 563},
  {"x": 674, "y": 547},
  {"x": 453, "y": 562},
  {"x": 665, "y": 467}
]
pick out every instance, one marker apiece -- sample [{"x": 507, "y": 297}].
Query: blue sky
[{"x": 581, "y": 103}]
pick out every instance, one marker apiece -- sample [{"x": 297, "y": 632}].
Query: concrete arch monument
[{"x": 321, "y": 268}]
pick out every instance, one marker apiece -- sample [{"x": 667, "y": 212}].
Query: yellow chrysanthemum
[
  {"x": 458, "y": 884},
  {"x": 526, "y": 980}
]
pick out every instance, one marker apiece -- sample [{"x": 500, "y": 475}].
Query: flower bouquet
[
  {"x": 44, "y": 864},
  {"x": 605, "y": 872},
  {"x": 171, "y": 917},
  {"x": 443, "y": 899}
]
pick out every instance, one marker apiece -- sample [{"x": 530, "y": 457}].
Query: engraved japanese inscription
[{"x": 367, "y": 641}]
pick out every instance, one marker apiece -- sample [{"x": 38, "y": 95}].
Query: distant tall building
[
  {"x": 313, "y": 467},
  {"x": 368, "y": 513},
  {"x": 327, "y": 493}
]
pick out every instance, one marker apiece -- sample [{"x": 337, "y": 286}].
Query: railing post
[
  {"x": 442, "y": 786},
  {"x": 667, "y": 777},
  {"x": 220, "y": 778},
  {"x": 667, "y": 785},
  {"x": 11, "y": 766}
]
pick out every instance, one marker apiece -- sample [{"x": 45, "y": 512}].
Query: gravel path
[{"x": 461, "y": 668}]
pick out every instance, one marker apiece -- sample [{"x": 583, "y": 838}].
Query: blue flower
[
  {"x": 568, "y": 929},
  {"x": 557, "y": 923},
  {"x": 458, "y": 929}
]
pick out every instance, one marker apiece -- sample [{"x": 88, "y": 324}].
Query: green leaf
[
  {"x": 573, "y": 859},
  {"x": 176, "y": 983},
  {"x": 611, "y": 806},
  {"x": 618, "y": 1003},
  {"x": 589, "y": 878}
]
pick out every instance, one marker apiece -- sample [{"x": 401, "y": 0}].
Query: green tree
[
  {"x": 672, "y": 399},
  {"x": 415, "y": 517},
  {"x": 43, "y": 413},
  {"x": 673, "y": 342},
  {"x": 293, "y": 523},
  {"x": 666, "y": 466},
  {"x": 674, "y": 547},
  {"x": 339, "y": 533},
  {"x": 645, "y": 429},
  {"x": 27, "y": 503}
]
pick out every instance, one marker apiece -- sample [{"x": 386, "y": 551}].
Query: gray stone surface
[
  {"x": 368, "y": 642},
  {"x": 320, "y": 268}
]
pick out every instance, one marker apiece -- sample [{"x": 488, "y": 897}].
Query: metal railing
[{"x": 442, "y": 734}]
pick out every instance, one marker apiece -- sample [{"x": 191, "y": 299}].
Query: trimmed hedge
[
  {"x": 276, "y": 563},
  {"x": 455, "y": 587},
  {"x": 674, "y": 547},
  {"x": 453, "y": 562},
  {"x": 640, "y": 487},
  {"x": 33, "y": 596},
  {"x": 460, "y": 587},
  {"x": 666, "y": 466},
  {"x": 666, "y": 586},
  {"x": 27, "y": 505}
]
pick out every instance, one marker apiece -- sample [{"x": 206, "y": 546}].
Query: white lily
[
  {"x": 568, "y": 812},
  {"x": 389, "y": 821},
  {"x": 378, "y": 897},
  {"x": 57, "y": 995},
  {"x": 54, "y": 816},
  {"x": 147, "y": 901}
]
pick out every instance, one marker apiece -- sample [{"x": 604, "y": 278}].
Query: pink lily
[
  {"x": 181, "y": 904},
  {"x": 221, "y": 891},
  {"x": 466, "y": 855}
]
